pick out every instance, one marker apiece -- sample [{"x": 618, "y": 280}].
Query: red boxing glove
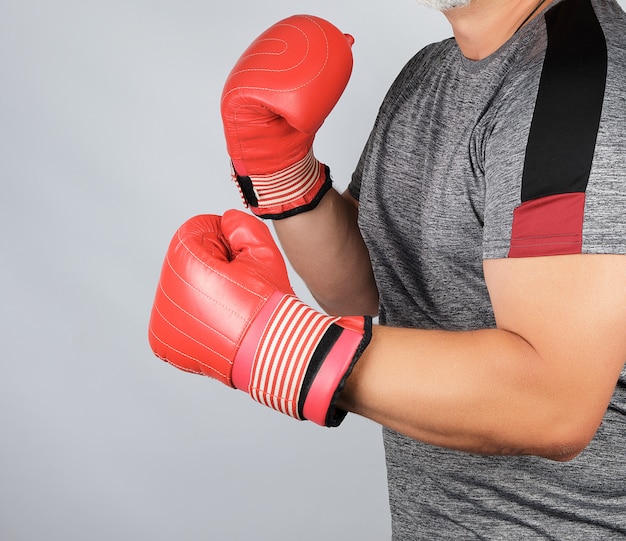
[
  {"x": 224, "y": 308},
  {"x": 275, "y": 99}
]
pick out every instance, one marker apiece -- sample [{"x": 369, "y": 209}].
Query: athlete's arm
[
  {"x": 277, "y": 96},
  {"x": 325, "y": 248},
  {"x": 538, "y": 384}
]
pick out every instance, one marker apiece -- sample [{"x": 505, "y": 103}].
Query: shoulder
[{"x": 432, "y": 59}]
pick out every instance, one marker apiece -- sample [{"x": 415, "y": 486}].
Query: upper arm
[{"x": 572, "y": 311}]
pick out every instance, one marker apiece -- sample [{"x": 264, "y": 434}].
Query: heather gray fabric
[{"x": 437, "y": 184}]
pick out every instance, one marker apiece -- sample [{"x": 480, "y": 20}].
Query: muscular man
[{"x": 491, "y": 234}]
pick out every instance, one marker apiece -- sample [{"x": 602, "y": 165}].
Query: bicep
[{"x": 572, "y": 311}]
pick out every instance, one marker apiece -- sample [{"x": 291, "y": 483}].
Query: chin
[{"x": 443, "y": 5}]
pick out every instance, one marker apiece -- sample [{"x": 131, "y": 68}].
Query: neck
[{"x": 483, "y": 26}]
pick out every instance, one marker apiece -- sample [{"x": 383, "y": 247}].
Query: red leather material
[
  {"x": 224, "y": 308},
  {"x": 278, "y": 95},
  {"x": 244, "y": 361},
  {"x": 217, "y": 275},
  {"x": 281, "y": 90}
]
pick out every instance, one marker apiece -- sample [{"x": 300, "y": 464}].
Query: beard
[{"x": 443, "y": 5}]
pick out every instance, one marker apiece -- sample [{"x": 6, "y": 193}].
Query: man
[{"x": 491, "y": 234}]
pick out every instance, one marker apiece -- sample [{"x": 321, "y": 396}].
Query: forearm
[
  {"x": 485, "y": 392},
  {"x": 326, "y": 249}
]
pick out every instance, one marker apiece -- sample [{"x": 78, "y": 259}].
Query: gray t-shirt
[{"x": 520, "y": 154}]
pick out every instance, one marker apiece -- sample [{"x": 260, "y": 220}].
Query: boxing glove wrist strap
[
  {"x": 297, "y": 188},
  {"x": 296, "y": 360}
]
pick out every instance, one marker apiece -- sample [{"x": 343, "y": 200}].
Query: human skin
[{"x": 539, "y": 383}]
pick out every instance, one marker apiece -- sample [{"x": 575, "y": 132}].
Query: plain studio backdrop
[{"x": 110, "y": 138}]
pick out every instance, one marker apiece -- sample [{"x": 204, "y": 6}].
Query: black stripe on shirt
[{"x": 567, "y": 112}]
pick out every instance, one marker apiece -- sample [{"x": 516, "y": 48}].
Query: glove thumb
[{"x": 251, "y": 243}]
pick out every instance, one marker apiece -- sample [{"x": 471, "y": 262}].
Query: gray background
[{"x": 110, "y": 137}]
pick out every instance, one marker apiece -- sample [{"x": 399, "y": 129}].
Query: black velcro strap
[
  {"x": 322, "y": 350},
  {"x": 334, "y": 416},
  {"x": 247, "y": 189}
]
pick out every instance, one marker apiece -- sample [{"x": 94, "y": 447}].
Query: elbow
[
  {"x": 566, "y": 423},
  {"x": 567, "y": 440},
  {"x": 562, "y": 452},
  {"x": 364, "y": 305}
]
